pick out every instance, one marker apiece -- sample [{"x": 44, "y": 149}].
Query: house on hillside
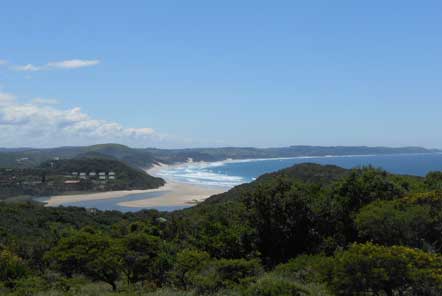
[
  {"x": 102, "y": 175},
  {"x": 112, "y": 176}
]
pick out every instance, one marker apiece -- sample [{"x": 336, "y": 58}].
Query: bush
[
  {"x": 394, "y": 223},
  {"x": 305, "y": 268},
  {"x": 30, "y": 286},
  {"x": 274, "y": 286},
  {"x": 188, "y": 264},
  {"x": 12, "y": 268},
  {"x": 226, "y": 274},
  {"x": 369, "y": 268},
  {"x": 434, "y": 180}
]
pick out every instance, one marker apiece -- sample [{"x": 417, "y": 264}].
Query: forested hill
[
  {"x": 306, "y": 172},
  {"x": 143, "y": 158},
  {"x": 304, "y": 231},
  {"x": 73, "y": 175},
  {"x": 27, "y": 158}
]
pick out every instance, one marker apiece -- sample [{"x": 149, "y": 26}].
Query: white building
[{"x": 102, "y": 175}]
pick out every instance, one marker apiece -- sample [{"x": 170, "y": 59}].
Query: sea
[{"x": 229, "y": 173}]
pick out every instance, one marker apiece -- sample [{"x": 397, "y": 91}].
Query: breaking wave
[{"x": 202, "y": 174}]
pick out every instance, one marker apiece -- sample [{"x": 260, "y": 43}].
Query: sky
[{"x": 175, "y": 74}]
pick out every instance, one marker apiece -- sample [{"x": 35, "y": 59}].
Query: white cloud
[
  {"x": 27, "y": 68},
  {"x": 6, "y": 99},
  {"x": 37, "y": 123},
  {"x": 67, "y": 64},
  {"x": 3, "y": 62},
  {"x": 73, "y": 64},
  {"x": 44, "y": 101}
]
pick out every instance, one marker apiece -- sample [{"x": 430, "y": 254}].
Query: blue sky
[{"x": 221, "y": 73}]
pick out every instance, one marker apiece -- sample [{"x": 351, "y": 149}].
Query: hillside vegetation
[
  {"x": 57, "y": 176},
  {"x": 306, "y": 230}
]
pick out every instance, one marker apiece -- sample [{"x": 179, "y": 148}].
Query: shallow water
[{"x": 112, "y": 204}]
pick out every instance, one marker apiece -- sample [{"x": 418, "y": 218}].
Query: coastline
[
  {"x": 174, "y": 193},
  {"x": 171, "y": 194}
]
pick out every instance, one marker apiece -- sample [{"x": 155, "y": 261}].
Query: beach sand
[{"x": 172, "y": 194}]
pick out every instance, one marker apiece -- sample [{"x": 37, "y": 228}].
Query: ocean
[{"x": 234, "y": 172}]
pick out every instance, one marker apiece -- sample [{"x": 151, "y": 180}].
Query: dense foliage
[
  {"x": 51, "y": 178},
  {"x": 306, "y": 230}
]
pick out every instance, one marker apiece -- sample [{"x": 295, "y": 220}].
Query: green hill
[
  {"x": 29, "y": 158},
  {"x": 65, "y": 175}
]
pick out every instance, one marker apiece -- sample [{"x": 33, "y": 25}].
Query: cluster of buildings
[
  {"x": 103, "y": 177},
  {"x": 94, "y": 175}
]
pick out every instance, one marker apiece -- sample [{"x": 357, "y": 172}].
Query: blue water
[
  {"x": 227, "y": 174},
  {"x": 231, "y": 173}
]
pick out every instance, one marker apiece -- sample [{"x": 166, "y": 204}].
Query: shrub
[
  {"x": 226, "y": 274},
  {"x": 305, "y": 268},
  {"x": 394, "y": 223},
  {"x": 188, "y": 264},
  {"x": 369, "y": 268},
  {"x": 434, "y": 180},
  {"x": 12, "y": 268},
  {"x": 29, "y": 286},
  {"x": 274, "y": 286}
]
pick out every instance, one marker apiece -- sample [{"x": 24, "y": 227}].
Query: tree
[
  {"x": 351, "y": 193},
  {"x": 138, "y": 255},
  {"x": 12, "y": 268},
  {"x": 188, "y": 264},
  {"x": 91, "y": 254},
  {"x": 365, "y": 185},
  {"x": 394, "y": 223},
  {"x": 283, "y": 220},
  {"x": 369, "y": 268},
  {"x": 434, "y": 180}
]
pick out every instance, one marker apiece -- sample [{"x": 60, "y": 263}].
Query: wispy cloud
[
  {"x": 27, "y": 68},
  {"x": 67, "y": 64},
  {"x": 3, "y": 62},
  {"x": 73, "y": 64}
]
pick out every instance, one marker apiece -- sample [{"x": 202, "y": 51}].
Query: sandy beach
[{"x": 172, "y": 194}]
